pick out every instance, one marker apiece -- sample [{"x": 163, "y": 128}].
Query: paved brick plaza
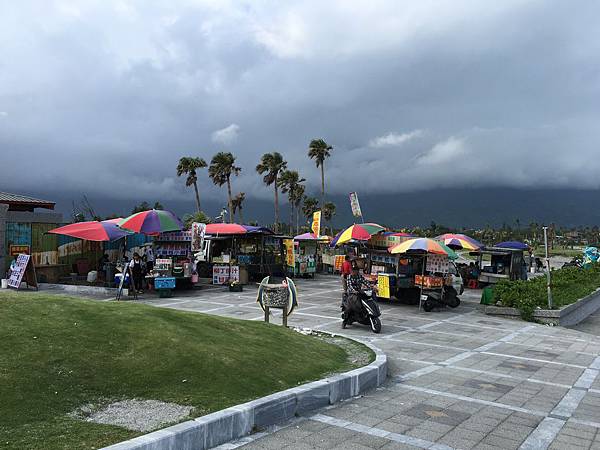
[{"x": 458, "y": 379}]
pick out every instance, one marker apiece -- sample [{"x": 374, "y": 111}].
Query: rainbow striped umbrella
[
  {"x": 152, "y": 222},
  {"x": 460, "y": 241},
  {"x": 423, "y": 245},
  {"x": 357, "y": 232},
  {"x": 107, "y": 230}
]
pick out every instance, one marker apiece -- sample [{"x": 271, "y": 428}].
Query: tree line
[{"x": 275, "y": 173}]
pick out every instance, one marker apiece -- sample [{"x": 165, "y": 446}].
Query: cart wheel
[
  {"x": 375, "y": 324},
  {"x": 428, "y": 305}
]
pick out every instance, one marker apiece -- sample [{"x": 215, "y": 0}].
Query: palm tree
[
  {"x": 272, "y": 164},
  {"x": 289, "y": 182},
  {"x": 310, "y": 205},
  {"x": 237, "y": 203},
  {"x": 222, "y": 167},
  {"x": 328, "y": 212},
  {"x": 319, "y": 150},
  {"x": 297, "y": 201},
  {"x": 188, "y": 165}
]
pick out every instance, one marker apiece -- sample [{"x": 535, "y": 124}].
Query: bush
[{"x": 568, "y": 285}]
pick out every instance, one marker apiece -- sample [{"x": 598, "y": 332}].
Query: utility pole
[{"x": 549, "y": 284}]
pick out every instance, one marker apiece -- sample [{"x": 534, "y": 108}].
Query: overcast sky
[{"x": 103, "y": 97}]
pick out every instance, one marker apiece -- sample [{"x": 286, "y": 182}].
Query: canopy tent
[
  {"x": 515, "y": 245},
  {"x": 234, "y": 228},
  {"x": 311, "y": 237}
]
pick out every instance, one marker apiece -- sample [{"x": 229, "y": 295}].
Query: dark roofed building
[
  {"x": 18, "y": 202},
  {"x": 22, "y": 229}
]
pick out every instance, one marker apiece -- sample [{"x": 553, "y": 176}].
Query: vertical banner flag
[
  {"x": 356, "y": 212},
  {"x": 289, "y": 252},
  {"x": 316, "y": 223}
]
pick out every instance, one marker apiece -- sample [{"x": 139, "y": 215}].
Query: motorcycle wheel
[
  {"x": 375, "y": 324},
  {"x": 428, "y": 305},
  {"x": 454, "y": 303}
]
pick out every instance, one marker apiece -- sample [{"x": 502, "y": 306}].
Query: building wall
[
  {"x": 28, "y": 228},
  {"x": 3, "y": 249}
]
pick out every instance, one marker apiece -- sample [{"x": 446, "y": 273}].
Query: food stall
[
  {"x": 425, "y": 267},
  {"x": 302, "y": 253},
  {"x": 504, "y": 264},
  {"x": 242, "y": 252},
  {"x": 174, "y": 247}
]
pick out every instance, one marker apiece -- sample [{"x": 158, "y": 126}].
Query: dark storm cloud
[{"x": 103, "y": 97}]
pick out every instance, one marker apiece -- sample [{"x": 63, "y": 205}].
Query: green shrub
[{"x": 568, "y": 285}]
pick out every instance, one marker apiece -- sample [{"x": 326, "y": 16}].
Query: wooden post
[
  {"x": 285, "y": 313},
  {"x": 267, "y": 314}
]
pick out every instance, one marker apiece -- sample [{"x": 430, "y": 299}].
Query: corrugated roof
[{"x": 15, "y": 199}]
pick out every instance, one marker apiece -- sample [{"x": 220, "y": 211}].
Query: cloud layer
[{"x": 104, "y": 96}]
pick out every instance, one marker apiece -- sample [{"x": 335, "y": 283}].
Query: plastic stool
[{"x": 473, "y": 284}]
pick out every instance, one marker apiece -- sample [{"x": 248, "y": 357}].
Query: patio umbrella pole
[{"x": 422, "y": 280}]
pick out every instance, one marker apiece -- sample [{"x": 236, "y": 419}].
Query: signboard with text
[
  {"x": 316, "y": 223},
  {"x": 22, "y": 270}
]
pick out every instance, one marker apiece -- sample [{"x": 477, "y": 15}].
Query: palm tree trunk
[
  {"x": 298, "y": 219},
  {"x": 291, "y": 217},
  {"x": 276, "y": 207},
  {"x": 229, "y": 202},
  {"x": 322, "y": 184},
  {"x": 197, "y": 196},
  {"x": 241, "y": 216}
]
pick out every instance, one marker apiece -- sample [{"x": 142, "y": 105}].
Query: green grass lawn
[
  {"x": 540, "y": 251},
  {"x": 58, "y": 353}
]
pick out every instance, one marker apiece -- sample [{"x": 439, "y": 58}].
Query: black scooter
[{"x": 366, "y": 314}]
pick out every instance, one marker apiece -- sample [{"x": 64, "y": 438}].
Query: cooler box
[{"x": 164, "y": 283}]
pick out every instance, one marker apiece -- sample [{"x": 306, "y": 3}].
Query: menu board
[
  {"x": 383, "y": 286},
  {"x": 24, "y": 268},
  {"x": 437, "y": 264},
  {"x": 225, "y": 274}
]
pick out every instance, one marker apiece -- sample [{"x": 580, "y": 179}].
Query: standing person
[
  {"x": 149, "y": 258},
  {"x": 137, "y": 272},
  {"x": 346, "y": 271}
]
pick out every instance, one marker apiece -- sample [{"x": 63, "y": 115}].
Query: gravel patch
[{"x": 136, "y": 415}]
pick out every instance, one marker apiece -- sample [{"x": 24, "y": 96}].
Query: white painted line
[
  {"x": 470, "y": 399},
  {"x": 419, "y": 372},
  {"x": 457, "y": 358},
  {"x": 543, "y": 435},
  {"x": 596, "y": 363},
  {"x": 426, "y": 344},
  {"x": 503, "y": 375},
  {"x": 585, "y": 422},
  {"x": 545, "y": 361},
  {"x": 378, "y": 432}
]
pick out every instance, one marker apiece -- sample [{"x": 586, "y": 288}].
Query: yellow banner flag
[{"x": 316, "y": 223}]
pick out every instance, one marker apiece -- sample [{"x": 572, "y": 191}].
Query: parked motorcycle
[
  {"x": 361, "y": 308},
  {"x": 447, "y": 296}
]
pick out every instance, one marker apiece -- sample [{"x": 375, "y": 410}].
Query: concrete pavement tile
[
  {"x": 368, "y": 441},
  {"x": 393, "y": 427},
  {"x": 398, "y": 446},
  {"x": 502, "y": 442}
]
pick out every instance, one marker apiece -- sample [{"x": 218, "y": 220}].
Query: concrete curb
[
  {"x": 238, "y": 421},
  {"x": 566, "y": 316}
]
